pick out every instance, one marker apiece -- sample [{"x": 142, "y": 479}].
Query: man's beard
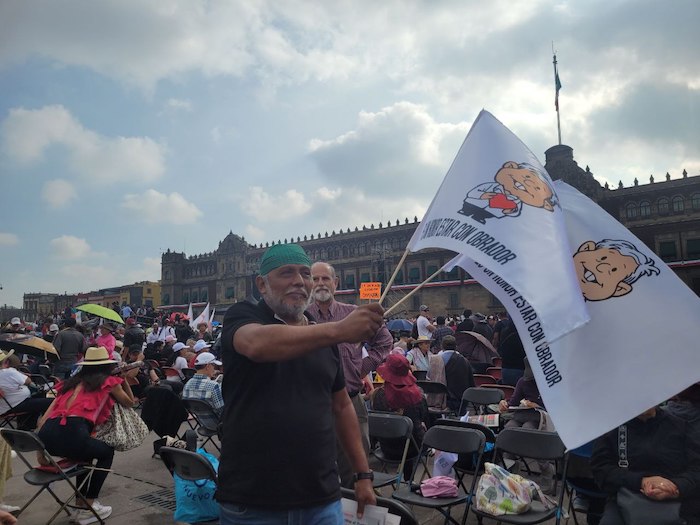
[
  {"x": 322, "y": 296},
  {"x": 286, "y": 311}
]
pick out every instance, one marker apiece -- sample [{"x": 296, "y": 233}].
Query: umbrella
[
  {"x": 101, "y": 311},
  {"x": 28, "y": 344},
  {"x": 396, "y": 325},
  {"x": 475, "y": 347}
]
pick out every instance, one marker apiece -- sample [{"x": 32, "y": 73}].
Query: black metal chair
[
  {"x": 479, "y": 399},
  {"x": 396, "y": 508},
  {"x": 187, "y": 464},
  {"x": 188, "y": 373},
  {"x": 384, "y": 426},
  {"x": 23, "y": 442},
  {"x": 532, "y": 444},
  {"x": 208, "y": 422},
  {"x": 585, "y": 487},
  {"x": 435, "y": 387},
  {"x": 8, "y": 418},
  {"x": 43, "y": 383},
  {"x": 446, "y": 439},
  {"x": 465, "y": 463}
]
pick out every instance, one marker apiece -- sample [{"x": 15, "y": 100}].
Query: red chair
[
  {"x": 494, "y": 371},
  {"x": 497, "y": 361},
  {"x": 506, "y": 389},
  {"x": 170, "y": 372},
  {"x": 484, "y": 379}
]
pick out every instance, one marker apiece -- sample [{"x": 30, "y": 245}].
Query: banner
[
  {"x": 498, "y": 207},
  {"x": 638, "y": 350},
  {"x": 201, "y": 318}
]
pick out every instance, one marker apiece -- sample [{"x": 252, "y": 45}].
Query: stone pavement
[{"x": 140, "y": 491}]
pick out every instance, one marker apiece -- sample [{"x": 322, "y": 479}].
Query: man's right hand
[{"x": 361, "y": 324}]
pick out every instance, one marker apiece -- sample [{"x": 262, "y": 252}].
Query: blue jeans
[{"x": 234, "y": 514}]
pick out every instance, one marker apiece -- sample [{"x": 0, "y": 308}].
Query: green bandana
[{"x": 281, "y": 254}]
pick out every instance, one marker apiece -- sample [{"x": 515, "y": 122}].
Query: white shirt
[
  {"x": 12, "y": 384},
  {"x": 179, "y": 364},
  {"x": 165, "y": 331},
  {"x": 423, "y": 324}
]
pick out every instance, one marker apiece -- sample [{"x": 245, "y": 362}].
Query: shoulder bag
[{"x": 124, "y": 430}]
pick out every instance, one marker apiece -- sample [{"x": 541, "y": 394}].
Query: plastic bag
[
  {"x": 443, "y": 463},
  {"x": 194, "y": 500},
  {"x": 500, "y": 492}
]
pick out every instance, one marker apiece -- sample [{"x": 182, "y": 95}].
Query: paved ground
[{"x": 139, "y": 490}]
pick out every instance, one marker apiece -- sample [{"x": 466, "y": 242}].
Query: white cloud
[
  {"x": 86, "y": 277},
  {"x": 148, "y": 271},
  {"x": 327, "y": 194},
  {"x": 70, "y": 247},
  {"x": 27, "y": 134},
  {"x": 254, "y": 234},
  {"x": 8, "y": 239},
  {"x": 270, "y": 208},
  {"x": 179, "y": 104},
  {"x": 155, "y": 207},
  {"x": 58, "y": 193}
]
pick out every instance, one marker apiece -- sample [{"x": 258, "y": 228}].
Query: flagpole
[
  {"x": 393, "y": 276},
  {"x": 557, "y": 85},
  {"x": 409, "y": 294}
]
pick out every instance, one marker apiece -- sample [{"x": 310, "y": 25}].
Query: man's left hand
[{"x": 364, "y": 494}]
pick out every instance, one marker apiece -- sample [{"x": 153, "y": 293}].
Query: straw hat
[
  {"x": 96, "y": 355},
  {"x": 5, "y": 355}
]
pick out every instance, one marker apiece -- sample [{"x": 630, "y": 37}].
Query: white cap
[
  {"x": 53, "y": 328},
  {"x": 201, "y": 345},
  {"x": 206, "y": 358},
  {"x": 178, "y": 346},
  {"x": 15, "y": 320}
]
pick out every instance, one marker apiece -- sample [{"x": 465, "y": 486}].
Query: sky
[{"x": 128, "y": 128}]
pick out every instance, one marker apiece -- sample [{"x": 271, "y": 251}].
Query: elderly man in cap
[
  {"x": 358, "y": 361},
  {"x": 14, "y": 326},
  {"x": 202, "y": 385},
  {"x": 285, "y": 391}
]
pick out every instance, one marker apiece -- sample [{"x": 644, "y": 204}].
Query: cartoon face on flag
[
  {"x": 623, "y": 361},
  {"x": 497, "y": 206},
  {"x": 515, "y": 185}
]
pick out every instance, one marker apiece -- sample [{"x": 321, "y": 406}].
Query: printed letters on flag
[
  {"x": 631, "y": 355},
  {"x": 498, "y": 207}
]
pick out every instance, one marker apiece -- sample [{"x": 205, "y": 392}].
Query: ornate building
[{"x": 665, "y": 215}]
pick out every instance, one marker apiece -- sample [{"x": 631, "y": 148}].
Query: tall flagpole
[{"x": 557, "y": 87}]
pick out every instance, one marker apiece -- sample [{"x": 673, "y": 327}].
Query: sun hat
[
  {"x": 5, "y": 355},
  {"x": 53, "y": 328},
  {"x": 96, "y": 355},
  {"x": 110, "y": 327},
  {"x": 178, "y": 346},
  {"x": 281, "y": 254},
  {"x": 423, "y": 339},
  {"x": 206, "y": 358},
  {"x": 396, "y": 369},
  {"x": 15, "y": 321},
  {"x": 201, "y": 345}
]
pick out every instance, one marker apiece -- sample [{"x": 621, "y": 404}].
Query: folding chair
[
  {"x": 396, "y": 508},
  {"x": 447, "y": 439},
  {"x": 384, "y": 426},
  {"x": 23, "y": 442},
  {"x": 188, "y": 373},
  {"x": 435, "y": 387},
  {"x": 43, "y": 382},
  {"x": 538, "y": 445},
  {"x": 207, "y": 421},
  {"x": 484, "y": 379},
  {"x": 497, "y": 361},
  {"x": 583, "y": 486},
  {"x": 465, "y": 464},
  {"x": 495, "y": 371},
  {"x": 187, "y": 464},
  {"x": 506, "y": 389},
  {"x": 8, "y": 418},
  {"x": 479, "y": 398},
  {"x": 45, "y": 370},
  {"x": 420, "y": 375}
]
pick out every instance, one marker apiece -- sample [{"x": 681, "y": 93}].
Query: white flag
[
  {"x": 189, "y": 313},
  {"x": 201, "y": 318},
  {"x": 498, "y": 207},
  {"x": 631, "y": 355}
]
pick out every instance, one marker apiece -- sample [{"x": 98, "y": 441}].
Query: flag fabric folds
[
  {"x": 201, "y": 318},
  {"x": 632, "y": 354},
  {"x": 189, "y": 313},
  {"x": 557, "y": 87},
  {"x": 498, "y": 207}
]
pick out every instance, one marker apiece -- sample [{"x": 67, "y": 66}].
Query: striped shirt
[{"x": 201, "y": 387}]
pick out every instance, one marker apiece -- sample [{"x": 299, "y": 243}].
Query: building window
[
  {"x": 195, "y": 297},
  {"x": 452, "y": 275},
  {"x": 230, "y": 293},
  {"x": 695, "y": 201},
  {"x": 364, "y": 277},
  {"x": 662, "y": 206},
  {"x": 167, "y": 274},
  {"x": 454, "y": 300},
  {"x": 667, "y": 250},
  {"x": 185, "y": 297},
  {"x": 414, "y": 275},
  {"x": 204, "y": 295},
  {"x": 631, "y": 211},
  {"x": 677, "y": 204},
  {"x": 644, "y": 209},
  {"x": 166, "y": 298},
  {"x": 148, "y": 290},
  {"x": 350, "y": 281},
  {"x": 432, "y": 269},
  {"x": 693, "y": 248},
  {"x": 399, "y": 277}
]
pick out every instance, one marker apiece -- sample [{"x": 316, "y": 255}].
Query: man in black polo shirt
[{"x": 283, "y": 388}]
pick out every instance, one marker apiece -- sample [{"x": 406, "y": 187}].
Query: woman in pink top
[
  {"x": 106, "y": 339},
  {"x": 84, "y": 401}
]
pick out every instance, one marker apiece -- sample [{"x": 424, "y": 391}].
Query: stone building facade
[{"x": 664, "y": 214}]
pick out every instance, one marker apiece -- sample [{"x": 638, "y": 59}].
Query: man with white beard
[{"x": 357, "y": 362}]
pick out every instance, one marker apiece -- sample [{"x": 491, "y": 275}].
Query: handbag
[
  {"x": 194, "y": 500},
  {"x": 500, "y": 492},
  {"x": 635, "y": 507},
  {"x": 124, "y": 430}
]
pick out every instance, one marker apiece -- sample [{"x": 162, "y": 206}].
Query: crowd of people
[{"x": 303, "y": 364}]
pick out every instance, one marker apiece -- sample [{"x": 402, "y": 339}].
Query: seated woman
[
  {"x": 399, "y": 394},
  {"x": 142, "y": 378},
  {"x": 84, "y": 401},
  {"x": 17, "y": 394},
  {"x": 663, "y": 464}
]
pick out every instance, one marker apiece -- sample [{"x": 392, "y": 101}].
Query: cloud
[
  {"x": 27, "y": 134},
  {"x": 155, "y": 207},
  {"x": 270, "y": 208},
  {"x": 58, "y": 193},
  {"x": 254, "y": 234},
  {"x": 149, "y": 271},
  {"x": 86, "y": 277},
  {"x": 400, "y": 149},
  {"x": 70, "y": 247},
  {"x": 176, "y": 104},
  {"x": 8, "y": 239}
]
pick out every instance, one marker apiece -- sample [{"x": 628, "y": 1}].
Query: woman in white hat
[{"x": 84, "y": 401}]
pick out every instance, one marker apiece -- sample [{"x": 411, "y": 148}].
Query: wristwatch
[{"x": 363, "y": 475}]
